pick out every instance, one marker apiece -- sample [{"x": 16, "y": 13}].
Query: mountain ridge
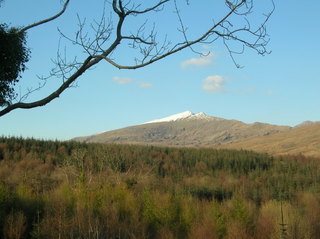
[
  {"x": 186, "y": 115},
  {"x": 303, "y": 139},
  {"x": 186, "y": 129}
]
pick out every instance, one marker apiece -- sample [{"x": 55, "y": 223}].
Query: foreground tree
[
  {"x": 13, "y": 55},
  {"x": 232, "y": 28}
]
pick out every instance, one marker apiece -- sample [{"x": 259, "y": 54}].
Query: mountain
[
  {"x": 301, "y": 139},
  {"x": 307, "y": 123},
  {"x": 187, "y": 115},
  {"x": 186, "y": 129}
]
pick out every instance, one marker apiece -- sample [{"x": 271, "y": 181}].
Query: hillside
[
  {"x": 51, "y": 189},
  {"x": 186, "y": 129},
  {"x": 304, "y": 139}
]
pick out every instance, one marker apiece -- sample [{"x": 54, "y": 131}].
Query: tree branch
[
  {"x": 148, "y": 47},
  {"x": 53, "y": 95},
  {"x": 134, "y": 12},
  {"x": 46, "y": 20},
  {"x": 185, "y": 45}
]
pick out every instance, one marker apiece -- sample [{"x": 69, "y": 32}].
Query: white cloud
[
  {"x": 245, "y": 91},
  {"x": 270, "y": 92},
  {"x": 145, "y": 85},
  {"x": 214, "y": 83},
  {"x": 205, "y": 46},
  {"x": 122, "y": 80},
  {"x": 128, "y": 80},
  {"x": 201, "y": 61}
]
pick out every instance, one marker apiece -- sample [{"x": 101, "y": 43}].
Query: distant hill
[
  {"x": 186, "y": 129},
  {"x": 307, "y": 123},
  {"x": 304, "y": 139}
]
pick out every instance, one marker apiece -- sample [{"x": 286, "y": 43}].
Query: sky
[{"x": 279, "y": 88}]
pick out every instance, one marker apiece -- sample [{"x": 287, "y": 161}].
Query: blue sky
[{"x": 280, "y": 88}]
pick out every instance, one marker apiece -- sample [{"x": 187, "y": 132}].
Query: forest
[{"x": 53, "y": 189}]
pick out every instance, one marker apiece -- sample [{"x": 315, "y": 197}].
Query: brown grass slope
[
  {"x": 197, "y": 132},
  {"x": 298, "y": 140}
]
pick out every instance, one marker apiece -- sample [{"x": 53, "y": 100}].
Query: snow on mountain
[
  {"x": 186, "y": 129},
  {"x": 187, "y": 115},
  {"x": 201, "y": 115}
]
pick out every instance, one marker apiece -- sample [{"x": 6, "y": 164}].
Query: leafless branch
[
  {"x": 46, "y": 20},
  {"x": 42, "y": 83},
  {"x": 100, "y": 40},
  {"x": 154, "y": 8},
  {"x": 180, "y": 47}
]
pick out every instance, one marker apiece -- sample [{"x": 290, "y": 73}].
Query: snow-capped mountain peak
[
  {"x": 174, "y": 117},
  {"x": 201, "y": 115},
  {"x": 186, "y": 115}
]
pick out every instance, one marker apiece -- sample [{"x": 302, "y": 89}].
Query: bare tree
[{"x": 108, "y": 35}]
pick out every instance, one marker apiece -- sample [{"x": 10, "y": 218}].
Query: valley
[
  {"x": 183, "y": 176},
  {"x": 52, "y": 189}
]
